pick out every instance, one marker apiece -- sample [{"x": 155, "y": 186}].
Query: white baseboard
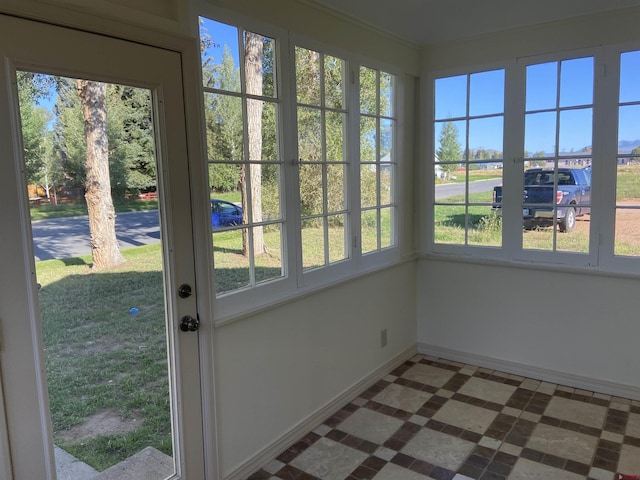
[
  {"x": 547, "y": 375},
  {"x": 312, "y": 421}
]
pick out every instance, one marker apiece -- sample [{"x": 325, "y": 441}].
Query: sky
[
  {"x": 220, "y": 34},
  {"x": 555, "y": 92}
]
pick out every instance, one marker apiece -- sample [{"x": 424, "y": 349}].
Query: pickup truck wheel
[{"x": 569, "y": 221}]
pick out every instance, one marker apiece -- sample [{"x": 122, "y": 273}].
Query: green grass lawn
[
  {"x": 102, "y": 359},
  {"x": 80, "y": 208}
]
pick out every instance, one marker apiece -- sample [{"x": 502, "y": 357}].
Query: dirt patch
[
  {"x": 103, "y": 423},
  {"x": 627, "y": 223}
]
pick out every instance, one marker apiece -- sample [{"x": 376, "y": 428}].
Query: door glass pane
[{"x": 99, "y": 268}]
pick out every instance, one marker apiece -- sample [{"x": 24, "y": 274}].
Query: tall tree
[
  {"x": 102, "y": 218},
  {"x": 253, "y": 77},
  {"x": 450, "y": 149}
]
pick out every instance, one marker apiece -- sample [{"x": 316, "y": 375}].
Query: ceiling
[{"x": 425, "y": 22}]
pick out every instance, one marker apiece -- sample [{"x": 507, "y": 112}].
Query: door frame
[{"x": 24, "y": 292}]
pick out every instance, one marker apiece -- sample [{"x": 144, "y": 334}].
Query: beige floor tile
[
  {"x": 633, "y": 425},
  {"x": 563, "y": 443},
  {"x": 329, "y": 460},
  {"x": 629, "y": 460},
  {"x": 369, "y": 425},
  {"x": 394, "y": 472},
  {"x": 527, "y": 470},
  {"x": 433, "y": 376},
  {"x": 487, "y": 390},
  {"x": 576, "y": 412},
  {"x": 469, "y": 417},
  {"x": 438, "y": 449},
  {"x": 404, "y": 398}
]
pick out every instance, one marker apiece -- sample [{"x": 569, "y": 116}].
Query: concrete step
[
  {"x": 69, "y": 467},
  {"x": 147, "y": 464}
]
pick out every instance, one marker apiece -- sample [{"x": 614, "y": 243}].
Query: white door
[{"x": 99, "y": 370}]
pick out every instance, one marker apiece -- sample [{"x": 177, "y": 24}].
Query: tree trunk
[
  {"x": 253, "y": 73},
  {"x": 102, "y": 218}
]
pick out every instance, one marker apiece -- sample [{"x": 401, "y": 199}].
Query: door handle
[{"x": 189, "y": 324}]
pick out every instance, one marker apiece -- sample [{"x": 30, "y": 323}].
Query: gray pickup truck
[{"x": 572, "y": 197}]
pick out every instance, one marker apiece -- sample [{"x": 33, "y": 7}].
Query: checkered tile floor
[{"x": 432, "y": 418}]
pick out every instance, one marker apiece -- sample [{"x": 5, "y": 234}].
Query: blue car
[{"x": 225, "y": 214}]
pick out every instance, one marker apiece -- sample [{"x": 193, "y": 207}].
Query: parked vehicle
[
  {"x": 225, "y": 214},
  {"x": 572, "y": 194}
]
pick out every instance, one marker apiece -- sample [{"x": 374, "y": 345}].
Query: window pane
[
  {"x": 482, "y": 178},
  {"x": 386, "y": 140},
  {"x": 486, "y": 93},
  {"x": 485, "y": 136},
  {"x": 386, "y": 184},
  {"x": 231, "y": 266},
  {"x": 542, "y": 86},
  {"x": 628, "y": 182},
  {"x": 269, "y": 129},
  {"x": 369, "y": 231},
  {"x": 485, "y": 227},
  {"x": 223, "y": 116},
  {"x": 308, "y": 79},
  {"x": 368, "y": 139},
  {"x": 628, "y": 127},
  {"x": 368, "y": 185},
  {"x": 313, "y": 246},
  {"x": 271, "y": 192},
  {"x": 309, "y": 135},
  {"x": 335, "y": 124},
  {"x": 337, "y": 239},
  {"x": 629, "y": 68},
  {"x": 269, "y": 263},
  {"x": 311, "y": 190},
  {"x": 627, "y": 237},
  {"x": 575, "y": 131},
  {"x": 336, "y": 188},
  {"x": 451, "y": 97},
  {"x": 534, "y": 238},
  {"x": 451, "y": 139},
  {"x": 220, "y": 55},
  {"x": 224, "y": 179},
  {"x": 386, "y": 94},
  {"x": 540, "y": 134},
  {"x": 264, "y": 181},
  {"x": 259, "y": 62},
  {"x": 333, "y": 76},
  {"x": 386, "y": 230},
  {"x": 576, "y": 82},
  {"x": 449, "y": 224},
  {"x": 368, "y": 91}
]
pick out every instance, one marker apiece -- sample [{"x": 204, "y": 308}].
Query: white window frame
[
  {"x": 600, "y": 257},
  {"x": 237, "y": 304},
  {"x": 467, "y": 251}
]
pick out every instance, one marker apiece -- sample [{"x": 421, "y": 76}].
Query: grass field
[
  {"x": 484, "y": 229},
  {"x": 100, "y": 358}
]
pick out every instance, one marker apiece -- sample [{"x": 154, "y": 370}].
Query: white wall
[
  {"x": 276, "y": 369},
  {"x": 571, "y": 327}
]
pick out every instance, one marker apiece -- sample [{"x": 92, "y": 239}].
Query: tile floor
[{"x": 436, "y": 419}]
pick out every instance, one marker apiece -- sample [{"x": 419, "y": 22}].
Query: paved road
[
  {"x": 450, "y": 189},
  {"x": 69, "y": 237}
]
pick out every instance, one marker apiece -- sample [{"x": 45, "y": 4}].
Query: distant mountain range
[{"x": 625, "y": 146}]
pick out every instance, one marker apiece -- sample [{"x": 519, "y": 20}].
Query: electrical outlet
[{"x": 383, "y": 338}]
